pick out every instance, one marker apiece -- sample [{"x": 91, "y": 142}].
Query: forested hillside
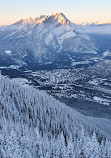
[{"x": 35, "y": 125}]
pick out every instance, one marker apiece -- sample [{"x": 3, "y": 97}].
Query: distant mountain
[
  {"x": 96, "y": 28},
  {"x": 101, "y": 34},
  {"x": 45, "y": 39}
]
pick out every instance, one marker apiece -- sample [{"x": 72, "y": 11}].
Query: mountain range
[{"x": 44, "y": 40}]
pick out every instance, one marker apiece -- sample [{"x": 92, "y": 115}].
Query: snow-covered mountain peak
[
  {"x": 30, "y": 20},
  {"x": 57, "y": 17},
  {"x": 61, "y": 18},
  {"x": 45, "y": 38}
]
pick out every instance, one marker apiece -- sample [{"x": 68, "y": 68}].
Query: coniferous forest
[{"x": 35, "y": 125}]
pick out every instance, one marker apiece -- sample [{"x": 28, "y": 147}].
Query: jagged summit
[
  {"x": 61, "y": 18},
  {"x": 57, "y": 17}
]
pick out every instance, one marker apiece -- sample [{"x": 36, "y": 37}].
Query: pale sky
[{"x": 77, "y": 11}]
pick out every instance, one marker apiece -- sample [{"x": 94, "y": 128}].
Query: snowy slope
[
  {"x": 44, "y": 39},
  {"x": 33, "y": 124}
]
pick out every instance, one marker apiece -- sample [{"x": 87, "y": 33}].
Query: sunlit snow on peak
[
  {"x": 61, "y": 18},
  {"x": 57, "y": 17}
]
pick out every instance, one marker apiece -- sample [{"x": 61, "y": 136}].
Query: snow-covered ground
[
  {"x": 101, "y": 100},
  {"x": 22, "y": 81},
  {"x": 9, "y": 52}
]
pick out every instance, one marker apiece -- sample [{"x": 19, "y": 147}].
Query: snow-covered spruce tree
[{"x": 35, "y": 125}]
